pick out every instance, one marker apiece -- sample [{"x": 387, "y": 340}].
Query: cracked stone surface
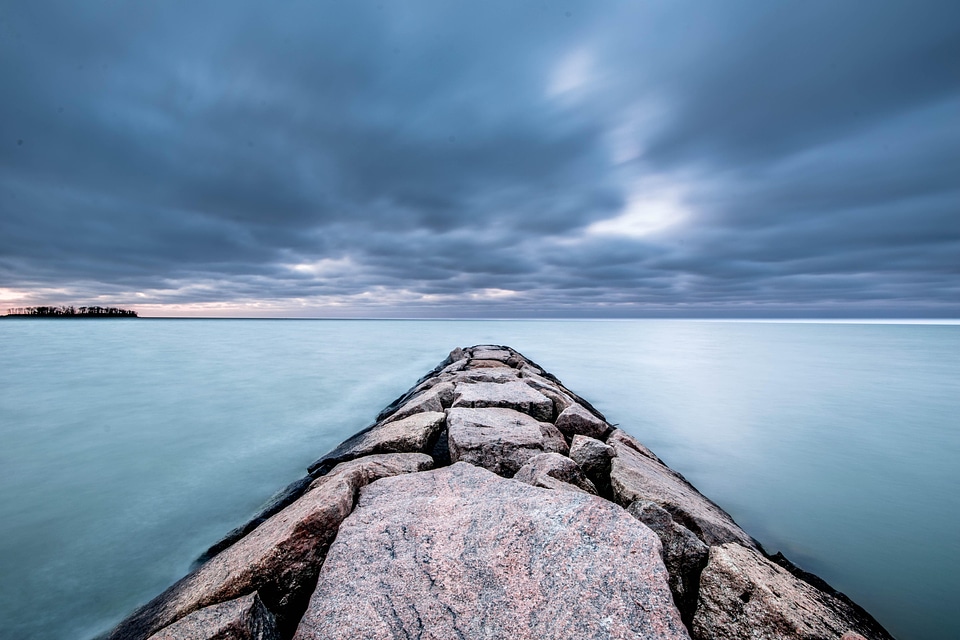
[
  {"x": 509, "y": 395},
  {"x": 461, "y": 553},
  {"x": 744, "y": 595},
  {"x": 501, "y": 440}
]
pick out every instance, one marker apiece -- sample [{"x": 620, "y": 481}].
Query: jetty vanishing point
[{"x": 490, "y": 501}]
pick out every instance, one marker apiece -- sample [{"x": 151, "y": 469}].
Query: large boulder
[
  {"x": 245, "y": 618},
  {"x": 634, "y": 475},
  {"x": 501, "y": 440},
  {"x": 508, "y": 395},
  {"x": 413, "y": 434},
  {"x": 554, "y": 471},
  {"x": 280, "y": 559},
  {"x": 461, "y": 553},
  {"x": 744, "y": 595}
]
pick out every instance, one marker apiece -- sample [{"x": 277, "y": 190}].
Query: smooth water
[{"x": 128, "y": 446}]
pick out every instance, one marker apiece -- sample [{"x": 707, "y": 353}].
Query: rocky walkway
[{"x": 490, "y": 501}]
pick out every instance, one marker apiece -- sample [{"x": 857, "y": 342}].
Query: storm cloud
[{"x": 509, "y": 158}]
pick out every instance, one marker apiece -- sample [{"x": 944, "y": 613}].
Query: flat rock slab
[
  {"x": 245, "y": 618},
  {"x": 281, "y": 558},
  {"x": 508, "y": 395},
  {"x": 636, "y": 476},
  {"x": 501, "y": 440},
  {"x": 461, "y": 553},
  {"x": 744, "y": 595}
]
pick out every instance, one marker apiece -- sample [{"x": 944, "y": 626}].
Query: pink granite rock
[
  {"x": 554, "y": 471},
  {"x": 459, "y": 553},
  {"x": 437, "y": 397},
  {"x": 245, "y": 618},
  {"x": 553, "y": 440},
  {"x": 281, "y": 558},
  {"x": 509, "y": 395},
  {"x": 635, "y": 476},
  {"x": 744, "y": 595},
  {"x": 575, "y": 419},
  {"x": 501, "y": 440},
  {"x": 412, "y": 434}
]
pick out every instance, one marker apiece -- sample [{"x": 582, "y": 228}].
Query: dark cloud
[{"x": 504, "y": 158}]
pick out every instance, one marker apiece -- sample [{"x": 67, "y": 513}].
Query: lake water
[{"x": 128, "y": 446}]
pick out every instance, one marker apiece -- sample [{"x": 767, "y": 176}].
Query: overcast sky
[{"x": 497, "y": 158}]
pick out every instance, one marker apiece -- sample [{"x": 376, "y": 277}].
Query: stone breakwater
[{"x": 490, "y": 501}]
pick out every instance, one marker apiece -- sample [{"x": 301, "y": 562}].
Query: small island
[{"x": 70, "y": 312}]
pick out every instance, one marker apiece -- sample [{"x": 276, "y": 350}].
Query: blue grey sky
[{"x": 453, "y": 158}]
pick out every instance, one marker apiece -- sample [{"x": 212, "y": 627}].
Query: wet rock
[
  {"x": 281, "y": 558},
  {"x": 509, "y": 395},
  {"x": 460, "y": 553},
  {"x": 635, "y": 476},
  {"x": 744, "y": 595},
  {"x": 553, "y": 440},
  {"x": 245, "y": 618},
  {"x": 577, "y": 420},
  {"x": 413, "y": 434},
  {"x": 684, "y": 554},
  {"x": 554, "y": 471},
  {"x": 501, "y": 440}
]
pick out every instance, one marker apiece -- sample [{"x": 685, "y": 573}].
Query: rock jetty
[{"x": 490, "y": 501}]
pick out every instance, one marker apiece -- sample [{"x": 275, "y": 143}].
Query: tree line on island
[{"x": 72, "y": 312}]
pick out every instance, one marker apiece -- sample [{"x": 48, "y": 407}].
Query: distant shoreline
[{"x": 69, "y": 311}]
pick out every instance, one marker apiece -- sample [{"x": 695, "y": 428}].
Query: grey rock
[
  {"x": 413, "y": 434},
  {"x": 684, "y": 554},
  {"x": 553, "y": 440},
  {"x": 577, "y": 420},
  {"x": 635, "y": 476},
  {"x": 497, "y": 374},
  {"x": 594, "y": 458},
  {"x": 501, "y": 440},
  {"x": 435, "y": 397},
  {"x": 489, "y": 364},
  {"x": 509, "y": 395},
  {"x": 744, "y": 595},
  {"x": 459, "y": 553},
  {"x": 548, "y": 470},
  {"x": 244, "y": 618},
  {"x": 491, "y": 353},
  {"x": 281, "y": 558}
]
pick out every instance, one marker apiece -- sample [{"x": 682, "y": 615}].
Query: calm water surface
[{"x": 129, "y": 446}]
